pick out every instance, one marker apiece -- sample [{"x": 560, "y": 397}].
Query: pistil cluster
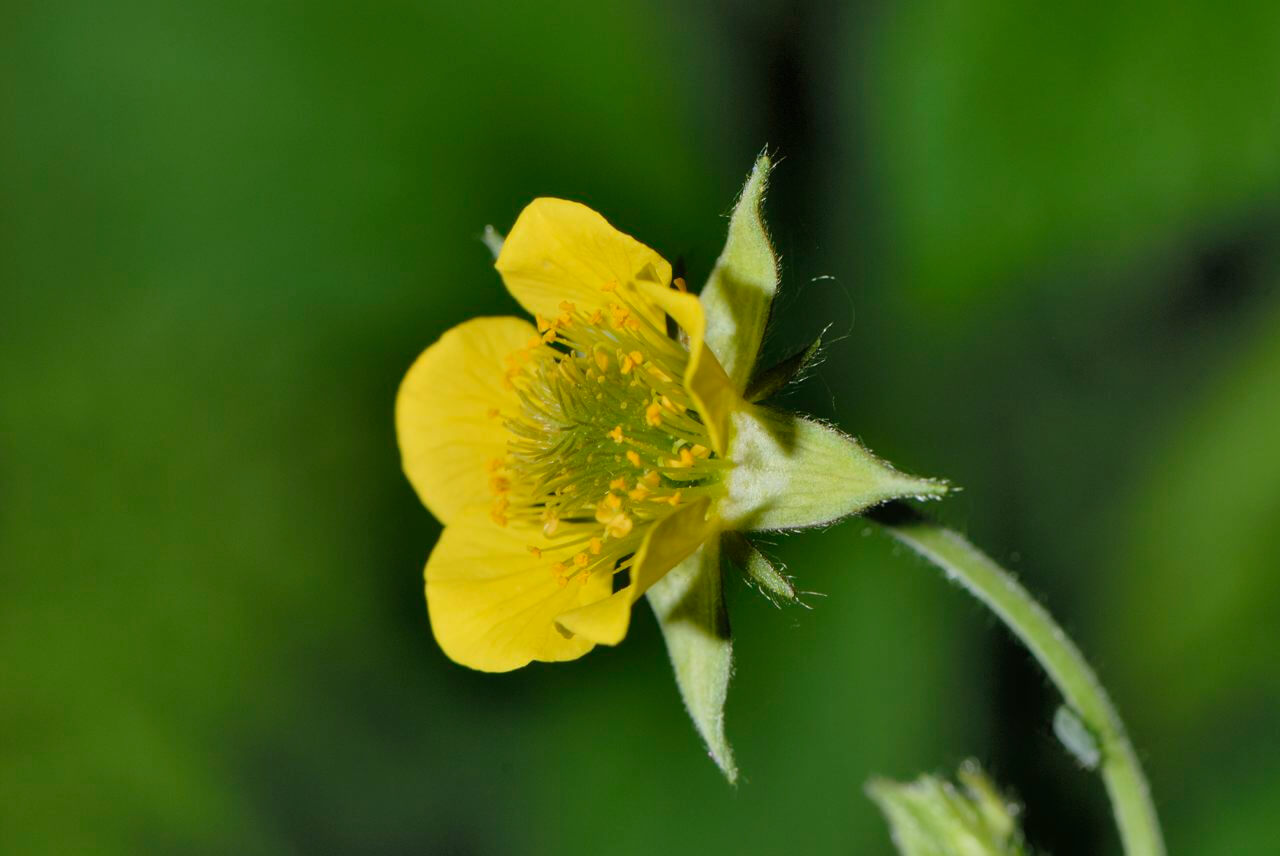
[{"x": 606, "y": 440}]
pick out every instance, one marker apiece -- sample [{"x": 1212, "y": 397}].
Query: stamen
[{"x": 595, "y": 457}]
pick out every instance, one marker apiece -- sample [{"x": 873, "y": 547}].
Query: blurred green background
[{"x": 1046, "y": 239}]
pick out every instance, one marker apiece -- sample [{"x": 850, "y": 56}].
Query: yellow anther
[
  {"x": 542, "y": 324},
  {"x": 595, "y": 317},
  {"x": 499, "y": 484},
  {"x": 636, "y": 357},
  {"x": 685, "y": 459},
  {"x": 550, "y": 335},
  {"x": 653, "y": 414},
  {"x": 651, "y": 478},
  {"x": 609, "y": 286},
  {"x": 619, "y": 526},
  {"x": 640, "y": 494},
  {"x": 498, "y": 517},
  {"x": 619, "y": 483},
  {"x": 595, "y": 545},
  {"x": 537, "y": 553},
  {"x": 678, "y": 282},
  {"x": 494, "y": 464},
  {"x": 564, "y": 319},
  {"x": 616, "y": 434},
  {"x": 700, "y": 451},
  {"x": 674, "y": 499},
  {"x": 584, "y": 576},
  {"x": 533, "y": 342},
  {"x": 632, "y": 324},
  {"x": 613, "y": 501},
  {"x": 566, "y": 306},
  {"x": 633, "y": 458},
  {"x": 627, "y": 364},
  {"x": 602, "y": 359},
  {"x": 493, "y": 413},
  {"x": 581, "y": 560}
]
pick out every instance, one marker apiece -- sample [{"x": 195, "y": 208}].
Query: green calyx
[{"x": 793, "y": 473}]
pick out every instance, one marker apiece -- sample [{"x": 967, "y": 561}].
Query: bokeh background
[{"x": 1045, "y": 238}]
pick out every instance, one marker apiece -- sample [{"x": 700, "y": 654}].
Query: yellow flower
[{"x": 573, "y": 461}]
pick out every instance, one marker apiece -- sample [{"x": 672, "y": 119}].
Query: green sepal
[
  {"x": 792, "y": 473},
  {"x": 759, "y": 571},
  {"x": 739, "y": 293},
  {"x": 689, "y": 604},
  {"x": 772, "y": 380},
  {"x": 933, "y": 817}
]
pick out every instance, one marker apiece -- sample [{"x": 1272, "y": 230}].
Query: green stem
[{"x": 961, "y": 561}]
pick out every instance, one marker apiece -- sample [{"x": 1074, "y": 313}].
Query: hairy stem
[{"x": 961, "y": 561}]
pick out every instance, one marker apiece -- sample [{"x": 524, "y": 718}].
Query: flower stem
[{"x": 961, "y": 561}]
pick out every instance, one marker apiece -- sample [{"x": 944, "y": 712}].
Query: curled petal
[
  {"x": 667, "y": 543},
  {"x": 560, "y": 250}
]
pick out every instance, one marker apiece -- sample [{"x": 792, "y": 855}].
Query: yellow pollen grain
[
  {"x": 633, "y": 457},
  {"x": 499, "y": 484},
  {"x": 533, "y": 342},
  {"x": 613, "y": 501},
  {"x": 595, "y": 317},
  {"x": 498, "y": 517},
  {"x": 494, "y": 464},
  {"x": 653, "y": 414},
  {"x": 567, "y": 306},
  {"x": 678, "y": 282},
  {"x": 493, "y": 413},
  {"x": 537, "y": 553},
  {"x": 595, "y": 545},
  {"x": 636, "y": 357},
  {"x": 616, "y": 434},
  {"x": 640, "y": 493},
  {"x": 651, "y": 478},
  {"x": 619, "y": 483},
  {"x": 632, "y": 324},
  {"x": 581, "y": 560},
  {"x": 627, "y": 364},
  {"x": 674, "y": 499},
  {"x": 609, "y": 286}
]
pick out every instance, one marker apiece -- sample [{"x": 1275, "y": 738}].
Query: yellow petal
[
  {"x": 445, "y": 412},
  {"x": 560, "y": 250},
  {"x": 710, "y": 388},
  {"x": 665, "y": 545},
  {"x": 493, "y": 603}
]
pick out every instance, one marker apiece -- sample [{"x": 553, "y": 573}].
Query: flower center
[{"x": 606, "y": 441}]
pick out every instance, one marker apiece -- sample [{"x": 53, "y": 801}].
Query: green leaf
[
  {"x": 791, "y": 473},
  {"x": 740, "y": 290},
  {"x": 771, "y": 381},
  {"x": 689, "y": 604},
  {"x": 933, "y": 817},
  {"x": 771, "y": 582}
]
